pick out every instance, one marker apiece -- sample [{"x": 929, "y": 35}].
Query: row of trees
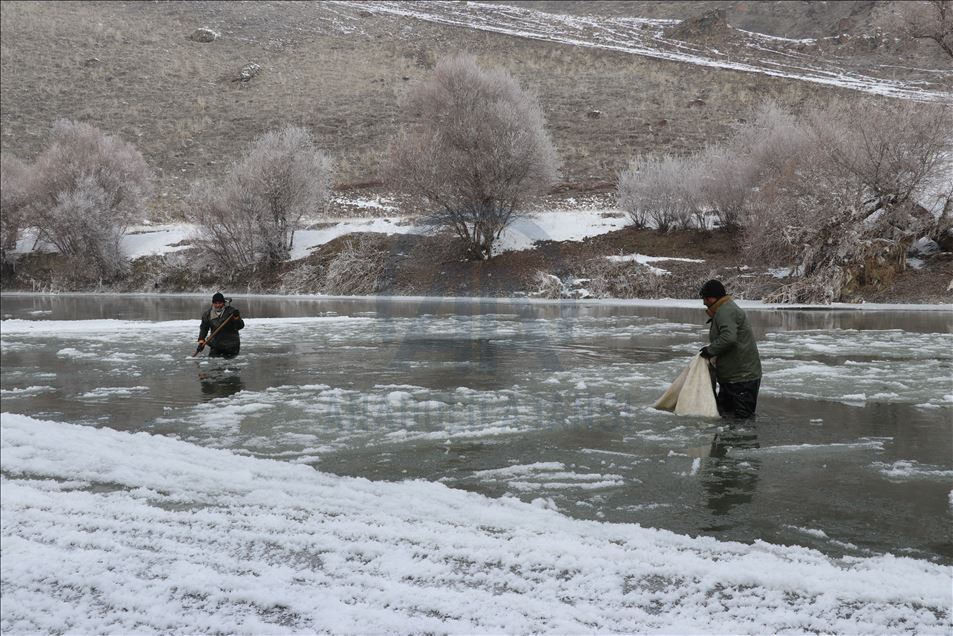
[
  {"x": 84, "y": 191},
  {"x": 474, "y": 146},
  {"x": 820, "y": 189},
  {"x": 828, "y": 190}
]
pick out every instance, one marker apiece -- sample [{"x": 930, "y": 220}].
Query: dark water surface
[{"x": 851, "y": 453}]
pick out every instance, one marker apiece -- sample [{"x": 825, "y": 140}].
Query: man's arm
[{"x": 236, "y": 321}]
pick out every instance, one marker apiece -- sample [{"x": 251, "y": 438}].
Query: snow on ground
[
  {"x": 645, "y": 260},
  {"x": 307, "y": 240},
  {"x": 104, "y": 531},
  {"x": 560, "y": 225},
  {"x": 563, "y": 225},
  {"x": 149, "y": 240},
  {"x": 367, "y": 203},
  {"x": 145, "y": 240},
  {"x": 645, "y": 37}
]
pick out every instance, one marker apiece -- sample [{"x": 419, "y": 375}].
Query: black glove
[
  {"x": 200, "y": 346},
  {"x": 705, "y": 353}
]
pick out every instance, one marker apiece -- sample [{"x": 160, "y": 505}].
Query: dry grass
[
  {"x": 130, "y": 69},
  {"x": 549, "y": 286},
  {"x": 608, "y": 279},
  {"x": 358, "y": 269}
]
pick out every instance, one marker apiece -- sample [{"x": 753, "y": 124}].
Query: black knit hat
[
  {"x": 712, "y": 289},
  {"x": 217, "y": 297}
]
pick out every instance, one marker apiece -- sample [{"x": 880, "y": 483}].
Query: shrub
[
  {"x": 303, "y": 279},
  {"x": 610, "y": 279},
  {"x": 832, "y": 191},
  {"x": 358, "y": 269},
  {"x": 476, "y": 151},
  {"x": 86, "y": 189},
  {"x": 13, "y": 199},
  {"x": 252, "y": 217},
  {"x": 549, "y": 286},
  {"x": 661, "y": 192},
  {"x": 843, "y": 209},
  {"x": 761, "y": 151}
]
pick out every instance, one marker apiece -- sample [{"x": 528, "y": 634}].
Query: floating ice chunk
[
  {"x": 111, "y": 392},
  {"x": 911, "y": 469},
  {"x": 25, "y": 391}
]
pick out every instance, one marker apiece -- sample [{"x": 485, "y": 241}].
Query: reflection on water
[
  {"x": 730, "y": 481},
  {"x": 219, "y": 383},
  {"x": 850, "y": 452}
]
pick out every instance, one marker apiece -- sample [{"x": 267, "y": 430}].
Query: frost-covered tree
[
  {"x": 832, "y": 191},
  {"x": 476, "y": 150},
  {"x": 86, "y": 188},
  {"x": 662, "y": 192},
  {"x": 251, "y": 218},
  {"x": 844, "y": 209},
  {"x": 13, "y": 198}
]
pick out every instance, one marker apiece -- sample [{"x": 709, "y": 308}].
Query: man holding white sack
[{"x": 733, "y": 351}]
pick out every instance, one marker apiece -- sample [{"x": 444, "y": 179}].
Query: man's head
[
  {"x": 218, "y": 300},
  {"x": 711, "y": 292}
]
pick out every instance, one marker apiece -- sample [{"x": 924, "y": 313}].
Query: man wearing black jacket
[{"x": 224, "y": 342}]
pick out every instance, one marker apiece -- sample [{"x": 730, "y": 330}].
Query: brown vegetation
[
  {"x": 252, "y": 217},
  {"x": 476, "y": 151},
  {"x": 131, "y": 70},
  {"x": 134, "y": 70}
]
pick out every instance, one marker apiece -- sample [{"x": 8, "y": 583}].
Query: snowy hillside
[{"x": 749, "y": 52}]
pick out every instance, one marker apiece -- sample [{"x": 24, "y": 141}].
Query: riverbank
[{"x": 551, "y": 256}]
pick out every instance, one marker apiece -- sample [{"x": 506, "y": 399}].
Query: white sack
[{"x": 691, "y": 392}]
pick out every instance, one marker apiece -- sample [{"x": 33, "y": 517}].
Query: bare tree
[
  {"x": 892, "y": 148},
  {"x": 760, "y": 152},
  {"x": 932, "y": 20},
  {"x": 476, "y": 151},
  {"x": 13, "y": 198},
  {"x": 252, "y": 217},
  {"x": 86, "y": 189},
  {"x": 727, "y": 182},
  {"x": 843, "y": 211},
  {"x": 662, "y": 192},
  {"x": 937, "y": 196}
]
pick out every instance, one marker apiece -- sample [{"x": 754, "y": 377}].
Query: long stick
[{"x": 214, "y": 333}]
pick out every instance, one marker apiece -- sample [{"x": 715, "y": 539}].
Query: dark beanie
[
  {"x": 217, "y": 297},
  {"x": 712, "y": 289}
]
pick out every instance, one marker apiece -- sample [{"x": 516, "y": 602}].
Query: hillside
[
  {"x": 615, "y": 79},
  {"x": 338, "y": 68}
]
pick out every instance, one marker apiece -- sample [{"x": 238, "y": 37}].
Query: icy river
[{"x": 850, "y": 457}]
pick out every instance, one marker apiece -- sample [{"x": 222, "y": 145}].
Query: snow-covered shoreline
[{"x": 106, "y": 531}]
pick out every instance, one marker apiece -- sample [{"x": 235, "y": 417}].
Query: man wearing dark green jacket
[{"x": 733, "y": 351}]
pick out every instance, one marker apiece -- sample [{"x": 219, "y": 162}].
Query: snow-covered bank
[
  {"x": 113, "y": 532},
  {"x": 107, "y": 531},
  {"x": 557, "y": 225}
]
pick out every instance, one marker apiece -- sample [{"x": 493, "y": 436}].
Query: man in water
[
  {"x": 733, "y": 351},
  {"x": 224, "y": 324}
]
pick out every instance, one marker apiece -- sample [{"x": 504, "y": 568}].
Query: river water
[{"x": 851, "y": 452}]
